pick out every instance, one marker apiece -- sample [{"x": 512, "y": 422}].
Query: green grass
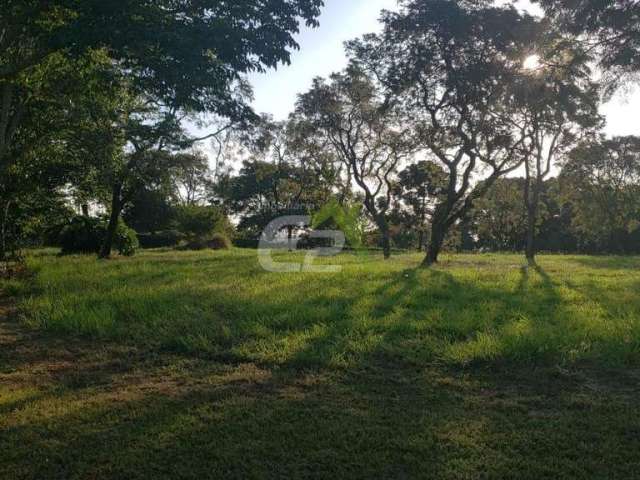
[
  {"x": 472, "y": 309},
  {"x": 202, "y": 365}
]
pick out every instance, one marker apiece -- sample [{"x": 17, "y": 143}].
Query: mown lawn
[{"x": 202, "y": 365}]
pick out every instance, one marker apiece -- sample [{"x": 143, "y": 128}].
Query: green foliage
[
  {"x": 126, "y": 240},
  {"x": 86, "y": 235},
  {"x": 169, "y": 238},
  {"x": 219, "y": 241},
  {"x": 219, "y": 42},
  {"x": 60, "y": 133},
  {"x": 452, "y": 67},
  {"x": 610, "y": 28},
  {"x": 199, "y": 222},
  {"x": 349, "y": 114},
  {"x": 500, "y": 217},
  {"x": 601, "y": 182},
  {"x": 150, "y": 210},
  {"x": 190, "y": 177},
  {"x": 66, "y": 72},
  {"x": 82, "y": 235},
  {"x": 265, "y": 189},
  {"x": 346, "y": 218},
  {"x": 417, "y": 190}
]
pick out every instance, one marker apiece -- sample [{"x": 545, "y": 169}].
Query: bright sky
[{"x": 321, "y": 53}]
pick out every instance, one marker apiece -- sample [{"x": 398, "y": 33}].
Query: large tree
[
  {"x": 610, "y": 28},
  {"x": 417, "y": 190},
  {"x": 602, "y": 182},
  {"x": 187, "y": 53},
  {"x": 499, "y": 219},
  {"x": 451, "y": 66},
  {"x": 178, "y": 58},
  {"x": 366, "y": 134},
  {"x": 555, "y": 104},
  {"x": 65, "y": 134}
]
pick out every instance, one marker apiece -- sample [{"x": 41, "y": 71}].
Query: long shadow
[
  {"x": 384, "y": 414},
  {"x": 608, "y": 262},
  {"x": 439, "y": 315},
  {"x": 386, "y": 421}
]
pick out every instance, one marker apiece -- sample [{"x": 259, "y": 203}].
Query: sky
[{"x": 322, "y": 52}]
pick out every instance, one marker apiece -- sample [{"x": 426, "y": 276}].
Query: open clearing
[{"x": 202, "y": 365}]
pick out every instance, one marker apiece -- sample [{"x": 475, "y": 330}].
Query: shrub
[
  {"x": 198, "y": 222},
  {"x": 126, "y": 241},
  {"x": 81, "y": 235},
  {"x": 169, "y": 238},
  {"x": 246, "y": 242},
  {"x": 86, "y": 235},
  {"x": 219, "y": 241}
]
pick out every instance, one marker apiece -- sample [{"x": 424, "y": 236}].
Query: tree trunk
[
  {"x": 530, "y": 248},
  {"x": 420, "y": 239},
  {"x": 383, "y": 227},
  {"x": 386, "y": 243},
  {"x": 290, "y": 238},
  {"x": 3, "y": 231},
  {"x": 116, "y": 208},
  {"x": 532, "y": 200},
  {"x": 438, "y": 232}
]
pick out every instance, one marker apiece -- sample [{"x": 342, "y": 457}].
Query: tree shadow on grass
[
  {"x": 318, "y": 321},
  {"x": 436, "y": 316},
  {"x": 424, "y": 316},
  {"x": 356, "y": 396},
  {"x": 381, "y": 420},
  {"x": 608, "y": 262}
]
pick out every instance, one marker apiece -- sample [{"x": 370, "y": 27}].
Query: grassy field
[{"x": 202, "y": 365}]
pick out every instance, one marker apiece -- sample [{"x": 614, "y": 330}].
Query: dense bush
[
  {"x": 126, "y": 241},
  {"x": 86, "y": 235},
  {"x": 219, "y": 241},
  {"x": 246, "y": 242},
  {"x": 204, "y": 227},
  {"x": 166, "y": 239},
  {"x": 81, "y": 235},
  {"x": 200, "y": 222}
]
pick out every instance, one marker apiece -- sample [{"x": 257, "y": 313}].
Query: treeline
[
  {"x": 96, "y": 98},
  {"x": 592, "y": 205},
  {"x": 462, "y": 125}
]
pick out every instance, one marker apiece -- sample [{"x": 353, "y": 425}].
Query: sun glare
[{"x": 532, "y": 62}]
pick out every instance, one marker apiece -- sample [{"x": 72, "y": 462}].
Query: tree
[
  {"x": 417, "y": 188},
  {"x": 191, "y": 177},
  {"x": 556, "y": 214},
  {"x": 150, "y": 210},
  {"x": 348, "y": 115},
  {"x": 609, "y": 28},
  {"x": 450, "y": 65},
  {"x": 65, "y": 132},
  {"x": 602, "y": 182},
  {"x": 555, "y": 104},
  {"x": 186, "y": 53},
  {"x": 499, "y": 218},
  {"x": 200, "y": 222},
  {"x": 173, "y": 60},
  {"x": 263, "y": 191}
]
